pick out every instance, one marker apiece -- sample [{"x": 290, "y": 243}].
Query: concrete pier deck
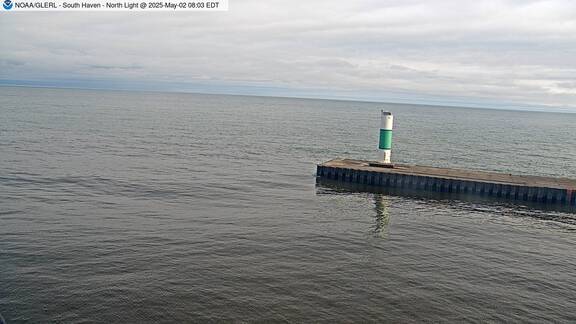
[{"x": 544, "y": 190}]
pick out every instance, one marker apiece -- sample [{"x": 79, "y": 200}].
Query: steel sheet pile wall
[{"x": 447, "y": 185}]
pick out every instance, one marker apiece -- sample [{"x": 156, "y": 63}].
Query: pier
[
  {"x": 413, "y": 178},
  {"x": 383, "y": 175}
]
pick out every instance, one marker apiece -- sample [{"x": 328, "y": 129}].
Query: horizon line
[{"x": 518, "y": 108}]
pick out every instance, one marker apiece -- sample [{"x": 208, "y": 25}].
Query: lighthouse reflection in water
[{"x": 382, "y": 219}]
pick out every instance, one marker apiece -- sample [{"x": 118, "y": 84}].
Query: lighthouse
[{"x": 385, "y": 143}]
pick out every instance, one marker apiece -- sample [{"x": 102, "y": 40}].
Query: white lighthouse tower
[{"x": 385, "y": 143}]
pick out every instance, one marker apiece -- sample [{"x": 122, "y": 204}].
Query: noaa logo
[{"x": 8, "y": 4}]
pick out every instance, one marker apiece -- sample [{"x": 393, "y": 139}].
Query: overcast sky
[{"x": 491, "y": 53}]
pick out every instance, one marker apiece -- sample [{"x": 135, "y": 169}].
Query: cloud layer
[{"x": 517, "y": 52}]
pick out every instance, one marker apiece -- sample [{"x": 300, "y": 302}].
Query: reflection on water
[{"x": 382, "y": 208}]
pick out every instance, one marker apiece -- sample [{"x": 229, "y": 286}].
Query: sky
[{"x": 492, "y": 53}]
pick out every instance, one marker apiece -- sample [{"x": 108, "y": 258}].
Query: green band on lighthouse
[{"x": 385, "y": 139}]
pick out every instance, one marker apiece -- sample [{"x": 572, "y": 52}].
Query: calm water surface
[{"x": 126, "y": 207}]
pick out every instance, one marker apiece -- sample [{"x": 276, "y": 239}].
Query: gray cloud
[{"x": 520, "y": 52}]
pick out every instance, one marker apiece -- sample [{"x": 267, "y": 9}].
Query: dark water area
[{"x": 127, "y": 207}]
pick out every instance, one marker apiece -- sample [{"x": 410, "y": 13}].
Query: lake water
[{"x": 135, "y": 207}]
